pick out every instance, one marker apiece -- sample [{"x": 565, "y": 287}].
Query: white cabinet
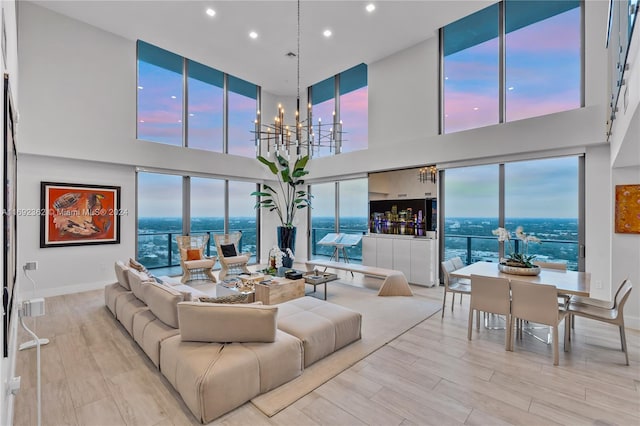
[
  {"x": 384, "y": 253},
  {"x": 423, "y": 261},
  {"x": 368, "y": 251},
  {"x": 415, "y": 257},
  {"x": 402, "y": 257}
]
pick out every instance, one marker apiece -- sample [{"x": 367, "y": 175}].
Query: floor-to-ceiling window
[
  {"x": 339, "y": 207},
  {"x": 159, "y": 218},
  {"x": 205, "y": 107},
  {"x": 242, "y": 113},
  {"x": 162, "y": 215},
  {"x": 354, "y": 108},
  {"x": 323, "y": 216},
  {"x": 202, "y": 108},
  {"x": 542, "y": 196},
  {"x": 159, "y": 95},
  {"x": 471, "y": 71},
  {"x": 512, "y": 60},
  {"x": 242, "y": 215},
  {"x": 471, "y": 212},
  {"x": 340, "y": 106},
  {"x": 353, "y": 212},
  {"x": 323, "y": 112},
  {"x": 207, "y": 210},
  {"x": 542, "y": 58}
]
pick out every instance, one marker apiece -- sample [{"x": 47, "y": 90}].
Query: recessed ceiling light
[
  {"x": 173, "y": 96},
  {"x": 142, "y": 121},
  {"x": 253, "y": 34},
  {"x": 370, "y": 7},
  {"x": 191, "y": 114},
  {"x": 140, "y": 87},
  {"x": 511, "y": 88},
  {"x": 327, "y": 33},
  {"x": 476, "y": 108},
  {"x": 211, "y": 12},
  {"x": 179, "y": 121}
]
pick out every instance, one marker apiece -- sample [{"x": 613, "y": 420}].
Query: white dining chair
[
  {"x": 453, "y": 285},
  {"x": 490, "y": 295},
  {"x": 539, "y": 303}
]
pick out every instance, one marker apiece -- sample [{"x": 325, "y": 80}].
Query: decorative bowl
[{"x": 517, "y": 270}]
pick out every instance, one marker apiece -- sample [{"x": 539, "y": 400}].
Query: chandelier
[
  {"x": 427, "y": 174},
  {"x": 302, "y": 136}
]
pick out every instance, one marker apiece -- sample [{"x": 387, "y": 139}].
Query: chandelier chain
[{"x": 298, "y": 52}]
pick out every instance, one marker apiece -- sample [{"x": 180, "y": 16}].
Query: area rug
[{"x": 383, "y": 319}]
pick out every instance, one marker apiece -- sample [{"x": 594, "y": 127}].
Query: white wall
[
  {"x": 625, "y": 163},
  {"x": 64, "y": 270}
]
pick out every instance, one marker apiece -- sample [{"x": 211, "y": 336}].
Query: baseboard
[
  {"x": 70, "y": 289},
  {"x": 632, "y": 322}
]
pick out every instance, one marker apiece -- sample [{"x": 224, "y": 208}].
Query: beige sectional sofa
[{"x": 220, "y": 356}]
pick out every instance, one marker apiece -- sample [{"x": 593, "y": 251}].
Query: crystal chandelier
[
  {"x": 427, "y": 174},
  {"x": 304, "y": 137}
]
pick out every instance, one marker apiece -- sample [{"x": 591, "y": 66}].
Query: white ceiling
[{"x": 181, "y": 26}]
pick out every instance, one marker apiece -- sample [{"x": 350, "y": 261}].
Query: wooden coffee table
[{"x": 279, "y": 290}]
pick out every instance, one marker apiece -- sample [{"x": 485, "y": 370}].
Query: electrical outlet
[
  {"x": 598, "y": 284},
  {"x": 31, "y": 266},
  {"x": 14, "y": 385}
]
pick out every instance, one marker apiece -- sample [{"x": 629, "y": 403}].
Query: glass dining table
[{"x": 567, "y": 282}]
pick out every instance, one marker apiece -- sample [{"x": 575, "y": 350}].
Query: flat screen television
[{"x": 404, "y": 216}]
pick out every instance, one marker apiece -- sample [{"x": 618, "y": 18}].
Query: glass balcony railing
[
  {"x": 355, "y": 252},
  {"x": 474, "y": 248},
  {"x": 160, "y": 249}
]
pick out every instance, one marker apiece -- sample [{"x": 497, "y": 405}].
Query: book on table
[{"x": 340, "y": 240}]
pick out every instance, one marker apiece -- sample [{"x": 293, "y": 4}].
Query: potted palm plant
[{"x": 286, "y": 199}]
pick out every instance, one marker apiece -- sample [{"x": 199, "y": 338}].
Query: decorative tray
[{"x": 315, "y": 277}]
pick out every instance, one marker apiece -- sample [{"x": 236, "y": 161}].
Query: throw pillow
[
  {"x": 194, "y": 254},
  {"x": 232, "y": 298},
  {"x": 228, "y": 250},
  {"x": 137, "y": 266},
  {"x": 134, "y": 264}
]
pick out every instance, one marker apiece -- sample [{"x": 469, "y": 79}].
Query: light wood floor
[{"x": 93, "y": 373}]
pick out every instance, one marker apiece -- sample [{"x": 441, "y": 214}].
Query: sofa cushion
[
  {"x": 137, "y": 281},
  {"x": 214, "y": 322},
  {"x": 212, "y": 378},
  {"x": 127, "y": 307},
  {"x": 321, "y": 326},
  {"x": 163, "y": 302},
  {"x": 111, "y": 294},
  {"x": 121, "y": 274},
  {"x": 280, "y": 361},
  {"x": 149, "y": 333}
]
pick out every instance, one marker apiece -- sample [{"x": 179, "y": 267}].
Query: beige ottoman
[
  {"x": 322, "y": 327},
  {"x": 215, "y": 378}
]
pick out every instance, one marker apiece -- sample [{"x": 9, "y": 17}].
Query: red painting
[{"x": 76, "y": 214}]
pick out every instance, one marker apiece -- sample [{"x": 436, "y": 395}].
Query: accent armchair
[
  {"x": 231, "y": 260},
  {"x": 195, "y": 265}
]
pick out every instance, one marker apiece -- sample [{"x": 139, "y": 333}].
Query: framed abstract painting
[
  {"x": 76, "y": 214},
  {"x": 627, "y": 220}
]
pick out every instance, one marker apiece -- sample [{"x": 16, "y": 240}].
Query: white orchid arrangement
[
  {"x": 517, "y": 259},
  {"x": 275, "y": 257}
]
